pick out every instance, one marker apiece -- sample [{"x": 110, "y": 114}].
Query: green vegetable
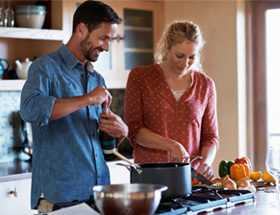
[
  {"x": 224, "y": 168},
  {"x": 229, "y": 164}
]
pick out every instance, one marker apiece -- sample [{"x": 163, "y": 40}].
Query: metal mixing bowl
[{"x": 128, "y": 199}]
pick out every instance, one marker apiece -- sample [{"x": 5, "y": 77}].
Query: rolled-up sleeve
[
  {"x": 209, "y": 130},
  {"x": 133, "y": 114},
  {"x": 36, "y": 103}
]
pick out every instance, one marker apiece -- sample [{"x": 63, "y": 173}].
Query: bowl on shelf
[
  {"x": 30, "y": 8},
  {"x": 30, "y": 16}
]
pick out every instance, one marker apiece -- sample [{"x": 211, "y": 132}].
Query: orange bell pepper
[
  {"x": 244, "y": 160},
  {"x": 194, "y": 181},
  {"x": 238, "y": 171}
]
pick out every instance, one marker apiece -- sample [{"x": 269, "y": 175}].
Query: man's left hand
[{"x": 113, "y": 125}]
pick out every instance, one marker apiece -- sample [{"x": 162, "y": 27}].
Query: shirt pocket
[{"x": 67, "y": 89}]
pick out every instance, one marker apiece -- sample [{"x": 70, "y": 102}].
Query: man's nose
[{"x": 106, "y": 45}]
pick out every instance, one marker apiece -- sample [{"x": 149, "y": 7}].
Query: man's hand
[
  {"x": 100, "y": 95},
  {"x": 113, "y": 125}
]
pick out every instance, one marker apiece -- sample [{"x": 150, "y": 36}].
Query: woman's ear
[{"x": 165, "y": 46}]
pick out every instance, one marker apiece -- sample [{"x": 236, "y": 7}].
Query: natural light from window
[{"x": 273, "y": 73}]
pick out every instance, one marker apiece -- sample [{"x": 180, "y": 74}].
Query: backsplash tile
[{"x": 9, "y": 106}]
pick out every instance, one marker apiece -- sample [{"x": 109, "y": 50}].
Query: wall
[{"x": 217, "y": 20}]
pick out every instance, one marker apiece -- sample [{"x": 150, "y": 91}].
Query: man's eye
[{"x": 192, "y": 57}]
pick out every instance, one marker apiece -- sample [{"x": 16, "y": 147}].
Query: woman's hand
[
  {"x": 205, "y": 170},
  {"x": 178, "y": 152}
]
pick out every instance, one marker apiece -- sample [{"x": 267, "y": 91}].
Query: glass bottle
[{"x": 108, "y": 142}]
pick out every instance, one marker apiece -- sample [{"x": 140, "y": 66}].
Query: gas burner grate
[
  {"x": 170, "y": 208},
  {"x": 204, "y": 199}
]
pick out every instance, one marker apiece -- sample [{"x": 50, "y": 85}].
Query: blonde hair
[{"x": 176, "y": 33}]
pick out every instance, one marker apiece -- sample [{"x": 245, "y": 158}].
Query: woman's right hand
[{"x": 178, "y": 152}]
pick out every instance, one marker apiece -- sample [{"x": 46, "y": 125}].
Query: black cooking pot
[{"x": 177, "y": 176}]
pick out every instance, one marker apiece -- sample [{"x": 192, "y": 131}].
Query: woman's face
[{"x": 181, "y": 56}]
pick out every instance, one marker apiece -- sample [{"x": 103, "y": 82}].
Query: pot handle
[
  {"x": 137, "y": 168},
  {"x": 189, "y": 160},
  {"x": 128, "y": 167}
]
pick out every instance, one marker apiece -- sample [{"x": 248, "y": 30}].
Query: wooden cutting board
[{"x": 259, "y": 184}]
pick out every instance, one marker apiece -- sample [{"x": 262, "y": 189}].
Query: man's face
[{"x": 97, "y": 41}]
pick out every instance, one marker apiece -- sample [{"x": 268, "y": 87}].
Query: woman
[{"x": 170, "y": 107}]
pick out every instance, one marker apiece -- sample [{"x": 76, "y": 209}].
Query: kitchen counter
[
  {"x": 264, "y": 204},
  {"x": 15, "y": 170},
  {"x": 22, "y": 169}
]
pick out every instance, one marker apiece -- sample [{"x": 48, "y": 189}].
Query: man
[{"x": 63, "y": 98}]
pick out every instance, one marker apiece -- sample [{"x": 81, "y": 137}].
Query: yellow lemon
[
  {"x": 267, "y": 178},
  {"x": 255, "y": 176}
]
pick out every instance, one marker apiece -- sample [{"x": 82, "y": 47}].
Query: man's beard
[{"x": 92, "y": 53}]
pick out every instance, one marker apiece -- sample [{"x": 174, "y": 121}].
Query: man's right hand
[{"x": 100, "y": 95}]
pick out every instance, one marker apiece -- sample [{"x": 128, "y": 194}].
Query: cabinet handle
[
  {"x": 118, "y": 38},
  {"x": 14, "y": 192}
]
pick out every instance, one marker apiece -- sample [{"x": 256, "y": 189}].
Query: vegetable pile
[{"x": 238, "y": 174}]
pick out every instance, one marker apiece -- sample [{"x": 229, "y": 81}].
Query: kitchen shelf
[
  {"x": 9, "y": 85},
  {"x": 31, "y": 33}
]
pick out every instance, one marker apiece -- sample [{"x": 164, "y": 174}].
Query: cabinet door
[
  {"x": 136, "y": 38},
  {"x": 15, "y": 197}
]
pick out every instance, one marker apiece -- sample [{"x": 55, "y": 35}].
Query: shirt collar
[
  {"x": 89, "y": 67},
  {"x": 70, "y": 60}
]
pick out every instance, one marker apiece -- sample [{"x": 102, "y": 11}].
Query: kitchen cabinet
[
  {"x": 119, "y": 174},
  {"x": 20, "y": 43},
  {"x": 130, "y": 43},
  {"x": 15, "y": 196}
]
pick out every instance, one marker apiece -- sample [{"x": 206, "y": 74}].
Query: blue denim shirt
[{"x": 67, "y": 156}]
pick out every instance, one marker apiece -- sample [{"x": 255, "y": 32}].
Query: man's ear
[{"x": 82, "y": 30}]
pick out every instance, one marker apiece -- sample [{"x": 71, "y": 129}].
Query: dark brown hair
[{"x": 93, "y": 13}]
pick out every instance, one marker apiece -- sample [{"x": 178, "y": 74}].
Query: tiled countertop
[{"x": 15, "y": 170}]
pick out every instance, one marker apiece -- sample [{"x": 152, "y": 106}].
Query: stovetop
[
  {"x": 201, "y": 200},
  {"x": 204, "y": 200}
]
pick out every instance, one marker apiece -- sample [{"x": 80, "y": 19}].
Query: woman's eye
[{"x": 179, "y": 56}]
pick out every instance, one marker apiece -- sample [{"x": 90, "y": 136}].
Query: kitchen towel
[{"x": 81, "y": 209}]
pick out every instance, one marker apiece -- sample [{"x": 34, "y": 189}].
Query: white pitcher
[{"x": 22, "y": 68}]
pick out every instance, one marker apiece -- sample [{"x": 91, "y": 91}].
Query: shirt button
[{"x": 93, "y": 135}]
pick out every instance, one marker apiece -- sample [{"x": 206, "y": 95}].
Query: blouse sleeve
[
  {"x": 209, "y": 130},
  {"x": 133, "y": 114}
]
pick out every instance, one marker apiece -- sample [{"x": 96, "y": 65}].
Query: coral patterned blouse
[{"x": 150, "y": 103}]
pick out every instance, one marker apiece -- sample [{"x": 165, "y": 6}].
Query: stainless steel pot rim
[{"x": 129, "y": 188}]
